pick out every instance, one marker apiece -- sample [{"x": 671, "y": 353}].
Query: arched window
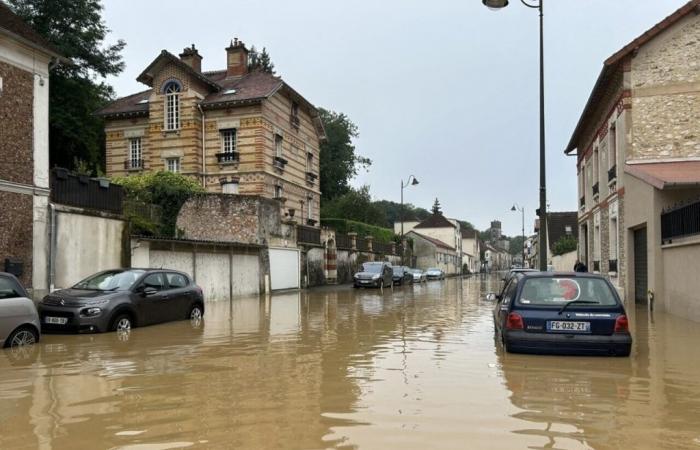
[{"x": 172, "y": 105}]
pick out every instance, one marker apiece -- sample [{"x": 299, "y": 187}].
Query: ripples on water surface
[{"x": 338, "y": 368}]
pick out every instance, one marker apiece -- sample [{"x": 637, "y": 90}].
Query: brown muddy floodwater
[{"x": 338, "y": 368}]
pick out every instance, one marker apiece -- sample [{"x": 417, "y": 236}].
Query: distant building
[
  {"x": 25, "y": 61},
  {"x": 495, "y": 231},
  {"x": 432, "y": 252},
  {"x": 638, "y": 161},
  {"x": 471, "y": 250}
]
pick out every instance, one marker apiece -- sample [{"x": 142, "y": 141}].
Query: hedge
[{"x": 384, "y": 235}]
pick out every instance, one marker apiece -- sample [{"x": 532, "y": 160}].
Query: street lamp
[
  {"x": 522, "y": 210},
  {"x": 408, "y": 182},
  {"x": 542, "y": 211}
]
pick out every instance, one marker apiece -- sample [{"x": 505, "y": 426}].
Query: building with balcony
[
  {"x": 638, "y": 160},
  {"x": 235, "y": 131}
]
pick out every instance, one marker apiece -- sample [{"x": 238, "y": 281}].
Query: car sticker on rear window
[{"x": 569, "y": 290}]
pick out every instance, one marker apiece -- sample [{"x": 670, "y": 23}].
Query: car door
[
  {"x": 152, "y": 308},
  {"x": 180, "y": 295},
  {"x": 505, "y": 301}
]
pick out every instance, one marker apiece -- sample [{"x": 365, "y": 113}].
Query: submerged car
[
  {"x": 19, "y": 321},
  {"x": 118, "y": 300},
  {"x": 434, "y": 274},
  {"x": 418, "y": 276},
  {"x": 402, "y": 275},
  {"x": 561, "y": 313},
  {"x": 374, "y": 274}
]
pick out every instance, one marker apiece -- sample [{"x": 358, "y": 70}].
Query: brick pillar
[{"x": 353, "y": 240}]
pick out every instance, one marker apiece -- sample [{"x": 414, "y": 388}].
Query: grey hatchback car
[
  {"x": 19, "y": 322},
  {"x": 118, "y": 300}
]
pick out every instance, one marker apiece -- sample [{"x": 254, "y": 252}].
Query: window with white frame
[
  {"x": 278, "y": 191},
  {"x": 172, "y": 106},
  {"x": 309, "y": 162},
  {"x": 278, "y": 145},
  {"x": 173, "y": 165},
  {"x": 228, "y": 140},
  {"x": 230, "y": 187},
  {"x": 310, "y": 207},
  {"x": 135, "y": 153}
]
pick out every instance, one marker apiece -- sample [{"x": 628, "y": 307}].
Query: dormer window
[{"x": 172, "y": 105}]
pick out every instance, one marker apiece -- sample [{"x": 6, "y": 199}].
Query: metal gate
[
  {"x": 284, "y": 268},
  {"x": 640, "y": 266}
]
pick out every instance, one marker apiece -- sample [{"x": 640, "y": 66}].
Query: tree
[
  {"x": 338, "y": 161},
  {"x": 260, "y": 61},
  {"x": 436, "y": 207},
  {"x": 77, "y": 31},
  {"x": 516, "y": 245},
  {"x": 565, "y": 244},
  {"x": 356, "y": 204},
  {"x": 392, "y": 211},
  {"x": 466, "y": 225}
]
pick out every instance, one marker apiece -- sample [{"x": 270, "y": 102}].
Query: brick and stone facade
[{"x": 277, "y": 132}]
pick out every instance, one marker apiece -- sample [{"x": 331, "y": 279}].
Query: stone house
[
  {"x": 235, "y": 131},
  {"x": 471, "y": 250},
  {"x": 445, "y": 230},
  {"x": 638, "y": 160},
  {"x": 25, "y": 61},
  {"x": 431, "y": 252}
]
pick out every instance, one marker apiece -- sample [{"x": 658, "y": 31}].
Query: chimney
[
  {"x": 236, "y": 59},
  {"x": 192, "y": 58}
]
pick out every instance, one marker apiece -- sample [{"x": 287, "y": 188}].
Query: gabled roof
[
  {"x": 12, "y": 25},
  {"x": 614, "y": 62},
  {"x": 667, "y": 174},
  {"x": 557, "y": 222},
  {"x": 135, "y": 105},
  {"x": 436, "y": 242},
  {"x": 436, "y": 221},
  {"x": 254, "y": 86},
  {"x": 166, "y": 57}
]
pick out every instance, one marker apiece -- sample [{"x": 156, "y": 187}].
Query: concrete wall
[
  {"x": 85, "y": 244},
  {"x": 681, "y": 282},
  {"x": 565, "y": 262},
  {"x": 222, "y": 271}
]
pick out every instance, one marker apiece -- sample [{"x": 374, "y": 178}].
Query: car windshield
[
  {"x": 557, "y": 292},
  {"x": 114, "y": 280},
  {"x": 372, "y": 268}
]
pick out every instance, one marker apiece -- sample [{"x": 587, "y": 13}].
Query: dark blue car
[{"x": 563, "y": 314}]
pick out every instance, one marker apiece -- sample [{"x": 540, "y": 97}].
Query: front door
[{"x": 640, "y": 266}]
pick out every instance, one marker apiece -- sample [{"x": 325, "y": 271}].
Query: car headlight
[
  {"x": 375, "y": 277},
  {"x": 91, "y": 312}
]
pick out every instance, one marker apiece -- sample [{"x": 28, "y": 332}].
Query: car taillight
[
  {"x": 622, "y": 325},
  {"x": 515, "y": 322}
]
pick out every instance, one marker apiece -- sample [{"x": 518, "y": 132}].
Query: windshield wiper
[{"x": 578, "y": 302}]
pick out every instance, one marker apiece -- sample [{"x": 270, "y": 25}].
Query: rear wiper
[{"x": 578, "y": 302}]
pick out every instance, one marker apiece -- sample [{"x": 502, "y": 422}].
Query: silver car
[
  {"x": 418, "y": 276},
  {"x": 19, "y": 321}
]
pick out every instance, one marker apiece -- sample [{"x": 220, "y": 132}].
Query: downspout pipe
[
  {"x": 204, "y": 149},
  {"x": 52, "y": 247}
]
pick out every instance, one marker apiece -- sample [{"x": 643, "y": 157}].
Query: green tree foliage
[
  {"x": 392, "y": 212},
  {"x": 338, "y": 161},
  {"x": 165, "y": 189},
  {"x": 565, "y": 244},
  {"x": 516, "y": 245},
  {"x": 77, "y": 31},
  {"x": 260, "y": 61},
  {"x": 466, "y": 225},
  {"x": 355, "y": 204},
  {"x": 436, "y": 207}
]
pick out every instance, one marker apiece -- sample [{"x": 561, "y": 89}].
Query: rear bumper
[{"x": 568, "y": 344}]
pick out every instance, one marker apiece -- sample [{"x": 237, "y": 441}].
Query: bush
[
  {"x": 565, "y": 244},
  {"x": 384, "y": 235}
]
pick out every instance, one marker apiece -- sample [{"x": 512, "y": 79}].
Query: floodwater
[{"x": 416, "y": 368}]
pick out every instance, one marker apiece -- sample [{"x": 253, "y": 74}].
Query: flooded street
[{"x": 339, "y": 368}]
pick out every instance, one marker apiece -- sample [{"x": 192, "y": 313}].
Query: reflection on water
[{"x": 339, "y": 368}]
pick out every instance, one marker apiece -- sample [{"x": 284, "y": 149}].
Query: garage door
[{"x": 284, "y": 268}]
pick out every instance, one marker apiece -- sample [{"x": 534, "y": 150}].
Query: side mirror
[
  {"x": 148, "y": 291},
  {"x": 491, "y": 297}
]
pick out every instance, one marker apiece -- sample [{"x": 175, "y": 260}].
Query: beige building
[
  {"x": 638, "y": 150},
  {"x": 235, "y": 131},
  {"x": 471, "y": 250}
]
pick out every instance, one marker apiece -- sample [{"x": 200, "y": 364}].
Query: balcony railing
[
  {"x": 596, "y": 266},
  {"x": 133, "y": 164},
  {"x": 596, "y": 189},
  {"x": 308, "y": 235},
  {"x": 279, "y": 162},
  {"x": 612, "y": 173},
  {"x": 680, "y": 221},
  {"x": 612, "y": 265},
  {"x": 311, "y": 177},
  {"x": 227, "y": 157}
]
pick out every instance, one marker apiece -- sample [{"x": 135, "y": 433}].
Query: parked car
[
  {"x": 19, "y": 321},
  {"x": 434, "y": 274},
  {"x": 418, "y": 276},
  {"x": 513, "y": 272},
  {"x": 402, "y": 275},
  {"x": 374, "y": 274},
  {"x": 118, "y": 300},
  {"x": 561, "y": 313}
]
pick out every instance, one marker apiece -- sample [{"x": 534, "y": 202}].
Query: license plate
[
  {"x": 561, "y": 325},
  {"x": 56, "y": 320}
]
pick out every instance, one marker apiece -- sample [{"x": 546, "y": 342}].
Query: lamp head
[
  {"x": 513, "y": 208},
  {"x": 495, "y": 5},
  {"x": 414, "y": 182}
]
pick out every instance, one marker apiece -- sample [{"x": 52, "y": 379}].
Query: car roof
[{"x": 538, "y": 274}]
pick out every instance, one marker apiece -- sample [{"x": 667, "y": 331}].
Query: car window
[
  {"x": 176, "y": 280},
  {"x": 559, "y": 291},
  {"x": 155, "y": 281},
  {"x": 509, "y": 291},
  {"x": 10, "y": 289}
]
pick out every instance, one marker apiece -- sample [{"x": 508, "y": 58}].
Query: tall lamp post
[
  {"x": 522, "y": 210},
  {"x": 542, "y": 211},
  {"x": 412, "y": 180}
]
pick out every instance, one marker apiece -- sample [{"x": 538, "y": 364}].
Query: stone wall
[
  {"x": 16, "y": 211},
  {"x": 666, "y": 94},
  {"x": 16, "y": 131}
]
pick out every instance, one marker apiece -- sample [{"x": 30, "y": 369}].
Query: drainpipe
[
  {"x": 204, "y": 149},
  {"x": 52, "y": 247}
]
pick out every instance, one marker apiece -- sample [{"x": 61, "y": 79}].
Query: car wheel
[
  {"x": 122, "y": 323},
  {"x": 21, "y": 337},
  {"x": 196, "y": 312}
]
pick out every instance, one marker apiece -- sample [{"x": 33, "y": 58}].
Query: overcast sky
[{"x": 445, "y": 90}]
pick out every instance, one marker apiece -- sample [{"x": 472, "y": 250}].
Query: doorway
[{"x": 640, "y": 266}]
